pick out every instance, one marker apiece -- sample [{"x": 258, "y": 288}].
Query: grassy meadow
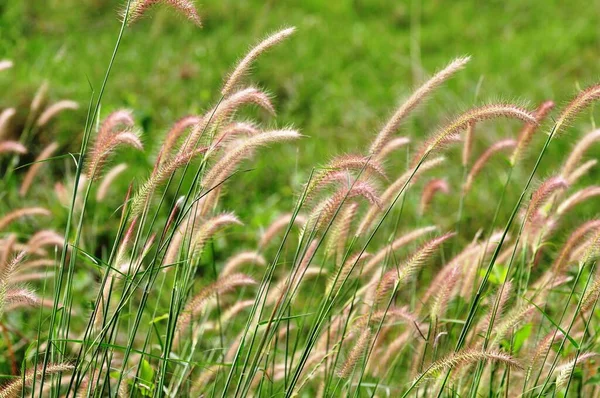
[{"x": 305, "y": 198}]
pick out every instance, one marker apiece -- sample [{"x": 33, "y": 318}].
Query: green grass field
[{"x": 142, "y": 300}]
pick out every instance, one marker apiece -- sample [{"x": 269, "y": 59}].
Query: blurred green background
[{"x": 344, "y": 71}]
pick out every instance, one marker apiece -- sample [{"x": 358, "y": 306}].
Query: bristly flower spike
[
  {"x": 138, "y": 8},
  {"x": 414, "y": 100},
  {"x": 246, "y": 62}
]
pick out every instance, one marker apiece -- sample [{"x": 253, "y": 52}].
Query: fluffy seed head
[
  {"x": 542, "y": 194},
  {"x": 246, "y": 62},
  {"x": 115, "y": 130},
  {"x": 138, "y": 8},
  {"x": 414, "y": 100},
  {"x": 356, "y": 354},
  {"x": 240, "y": 259},
  {"x": 450, "y": 132},
  {"x": 173, "y": 135},
  {"x": 20, "y": 213},
  {"x": 566, "y": 369},
  {"x": 579, "y": 103},
  {"x": 431, "y": 189},
  {"x": 467, "y": 357},
  {"x": 54, "y": 109},
  {"x": 17, "y": 386},
  {"x": 12, "y": 146}
]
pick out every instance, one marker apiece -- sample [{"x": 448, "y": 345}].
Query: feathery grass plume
[
  {"x": 138, "y": 8},
  {"x": 337, "y": 170},
  {"x": 402, "y": 241},
  {"x": 197, "y": 304},
  {"x": 54, "y": 109},
  {"x": 578, "y": 104},
  {"x": 468, "y": 145},
  {"x": 581, "y": 171},
  {"x": 484, "y": 158},
  {"x": 542, "y": 348},
  {"x": 392, "y": 191},
  {"x": 12, "y": 146},
  {"x": 17, "y": 387},
  {"x": 466, "y": 357},
  {"x": 19, "y": 297},
  {"x": 161, "y": 175},
  {"x": 21, "y": 213},
  {"x": 234, "y": 262},
  {"x": 450, "y": 132},
  {"x": 6, "y": 274},
  {"x": 591, "y": 295},
  {"x": 356, "y": 354},
  {"x": 444, "y": 295},
  {"x": 108, "y": 179},
  {"x": 578, "y": 197},
  {"x": 230, "y": 160},
  {"x": 512, "y": 318},
  {"x": 414, "y": 100},
  {"x": 339, "y": 232},
  {"x": 33, "y": 169},
  {"x": 207, "y": 229},
  {"x": 5, "y": 116},
  {"x": 542, "y": 194},
  {"x": 526, "y": 134},
  {"x": 562, "y": 260},
  {"x": 5, "y": 64},
  {"x": 391, "y": 146},
  {"x": 115, "y": 130},
  {"x": 394, "y": 277},
  {"x": 566, "y": 369},
  {"x": 234, "y": 129},
  {"x": 45, "y": 238},
  {"x": 339, "y": 276},
  {"x": 497, "y": 306},
  {"x": 432, "y": 187},
  {"x": 279, "y": 224},
  {"x": 244, "y": 65},
  {"x": 224, "y": 110},
  {"x": 578, "y": 151},
  {"x": 173, "y": 135},
  {"x": 326, "y": 210}
]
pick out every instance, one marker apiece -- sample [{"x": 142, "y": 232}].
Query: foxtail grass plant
[{"x": 390, "y": 276}]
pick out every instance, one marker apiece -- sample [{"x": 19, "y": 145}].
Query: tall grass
[{"x": 377, "y": 282}]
